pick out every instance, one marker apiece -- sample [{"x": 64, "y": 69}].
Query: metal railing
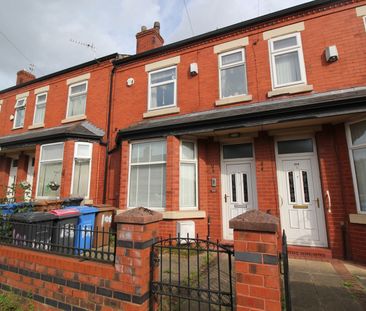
[
  {"x": 285, "y": 272},
  {"x": 68, "y": 240}
]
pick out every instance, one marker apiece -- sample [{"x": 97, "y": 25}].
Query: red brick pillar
[
  {"x": 21, "y": 176},
  {"x": 4, "y": 175},
  {"x": 257, "y": 245},
  {"x": 137, "y": 231}
]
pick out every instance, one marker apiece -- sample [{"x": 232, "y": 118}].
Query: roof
[
  {"x": 63, "y": 71},
  {"x": 84, "y": 129},
  {"x": 315, "y": 105},
  {"x": 229, "y": 29}
]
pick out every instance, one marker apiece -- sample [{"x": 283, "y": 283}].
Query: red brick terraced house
[
  {"x": 53, "y": 130},
  {"x": 266, "y": 114}
]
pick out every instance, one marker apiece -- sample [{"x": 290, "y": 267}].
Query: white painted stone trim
[
  {"x": 163, "y": 63},
  {"x": 19, "y": 96},
  {"x": 161, "y": 112},
  {"x": 184, "y": 214},
  {"x": 1, "y": 103},
  {"x": 73, "y": 119},
  {"x": 283, "y": 30},
  {"x": 361, "y": 10},
  {"x": 290, "y": 90},
  {"x": 42, "y": 89},
  {"x": 35, "y": 126},
  {"x": 231, "y": 45},
  {"x": 357, "y": 219},
  {"x": 78, "y": 79},
  {"x": 233, "y": 100}
]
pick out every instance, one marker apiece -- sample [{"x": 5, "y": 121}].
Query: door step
[{"x": 307, "y": 252}]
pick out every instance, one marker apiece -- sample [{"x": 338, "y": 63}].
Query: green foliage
[{"x": 13, "y": 302}]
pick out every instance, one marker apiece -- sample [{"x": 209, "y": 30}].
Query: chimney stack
[
  {"x": 24, "y": 76},
  {"x": 148, "y": 39}
]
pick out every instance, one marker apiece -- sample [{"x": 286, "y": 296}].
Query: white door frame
[
  {"x": 223, "y": 163},
  {"x": 313, "y": 157}
]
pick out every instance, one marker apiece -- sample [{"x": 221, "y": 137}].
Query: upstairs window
[
  {"x": 163, "y": 88},
  {"x": 233, "y": 80},
  {"x": 40, "y": 108},
  {"x": 81, "y": 172},
  {"x": 77, "y": 99},
  {"x": 287, "y": 61},
  {"x": 19, "y": 113}
]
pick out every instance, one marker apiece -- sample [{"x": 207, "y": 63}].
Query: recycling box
[
  {"x": 63, "y": 234},
  {"x": 84, "y": 232},
  {"x": 33, "y": 229}
]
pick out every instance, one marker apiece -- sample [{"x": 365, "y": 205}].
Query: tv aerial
[{"x": 90, "y": 46}]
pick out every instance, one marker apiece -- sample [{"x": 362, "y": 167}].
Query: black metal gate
[
  {"x": 192, "y": 274},
  {"x": 285, "y": 272}
]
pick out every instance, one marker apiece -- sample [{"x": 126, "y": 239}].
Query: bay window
[
  {"x": 81, "y": 170},
  {"x": 19, "y": 113},
  {"x": 50, "y": 170},
  {"x": 162, "y": 88},
  {"x": 357, "y": 151},
  {"x": 77, "y": 99},
  {"x": 40, "y": 108},
  {"x": 147, "y": 184},
  {"x": 188, "y": 176}
]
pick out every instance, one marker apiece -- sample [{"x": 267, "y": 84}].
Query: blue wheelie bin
[
  {"x": 6, "y": 210},
  {"x": 84, "y": 233}
]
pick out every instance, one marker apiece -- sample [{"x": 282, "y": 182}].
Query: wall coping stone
[
  {"x": 255, "y": 220},
  {"x": 138, "y": 216}
]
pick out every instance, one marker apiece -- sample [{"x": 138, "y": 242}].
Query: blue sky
[{"x": 41, "y": 30}]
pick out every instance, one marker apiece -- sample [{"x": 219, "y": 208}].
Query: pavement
[{"x": 328, "y": 286}]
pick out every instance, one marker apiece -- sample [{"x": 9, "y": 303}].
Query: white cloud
[{"x": 42, "y": 29}]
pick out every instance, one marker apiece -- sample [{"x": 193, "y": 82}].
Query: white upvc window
[
  {"x": 364, "y": 21},
  {"x": 147, "y": 177},
  {"x": 80, "y": 185},
  {"x": 19, "y": 113},
  {"x": 77, "y": 99},
  {"x": 356, "y": 137},
  {"x": 232, "y": 72},
  {"x": 287, "y": 61},
  {"x": 50, "y": 170},
  {"x": 162, "y": 88},
  {"x": 40, "y": 108},
  {"x": 188, "y": 181}
]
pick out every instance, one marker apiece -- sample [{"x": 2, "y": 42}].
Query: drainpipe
[{"x": 108, "y": 133}]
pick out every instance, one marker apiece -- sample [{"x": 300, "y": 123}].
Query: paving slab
[{"x": 316, "y": 286}]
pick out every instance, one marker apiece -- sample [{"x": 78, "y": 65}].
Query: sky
[{"x": 51, "y": 34}]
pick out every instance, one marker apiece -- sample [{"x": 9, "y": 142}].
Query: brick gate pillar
[
  {"x": 257, "y": 245},
  {"x": 137, "y": 231}
]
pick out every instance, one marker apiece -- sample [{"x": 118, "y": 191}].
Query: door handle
[
  {"x": 281, "y": 200},
  {"x": 225, "y": 197},
  {"x": 317, "y": 202}
]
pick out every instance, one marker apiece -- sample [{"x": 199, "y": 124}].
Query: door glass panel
[
  {"x": 306, "y": 186},
  {"x": 291, "y": 187},
  {"x": 238, "y": 151},
  {"x": 233, "y": 188},
  {"x": 295, "y": 146},
  {"x": 245, "y": 187}
]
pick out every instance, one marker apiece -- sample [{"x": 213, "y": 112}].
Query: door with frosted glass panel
[{"x": 239, "y": 194}]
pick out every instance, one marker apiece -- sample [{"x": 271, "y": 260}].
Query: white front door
[
  {"x": 239, "y": 193},
  {"x": 301, "y": 205},
  {"x": 12, "y": 179},
  {"x": 30, "y": 173}
]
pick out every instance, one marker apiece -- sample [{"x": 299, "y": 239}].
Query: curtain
[{"x": 287, "y": 68}]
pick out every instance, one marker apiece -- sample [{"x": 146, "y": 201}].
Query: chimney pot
[
  {"x": 157, "y": 26},
  {"x": 143, "y": 28}
]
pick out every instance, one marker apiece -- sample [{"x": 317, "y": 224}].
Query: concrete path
[{"x": 328, "y": 286}]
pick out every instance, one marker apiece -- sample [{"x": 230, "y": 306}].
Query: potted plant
[{"x": 52, "y": 185}]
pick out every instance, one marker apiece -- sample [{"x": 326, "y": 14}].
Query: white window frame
[
  {"x": 352, "y": 162},
  {"x": 161, "y": 209},
  {"x": 36, "y": 106},
  {"x": 90, "y": 158},
  {"x": 221, "y": 67},
  {"x": 364, "y": 21},
  {"x": 45, "y": 161},
  {"x": 150, "y": 86},
  {"x": 194, "y": 161},
  {"x": 80, "y": 93},
  {"x": 297, "y": 48},
  {"x": 16, "y": 108}
]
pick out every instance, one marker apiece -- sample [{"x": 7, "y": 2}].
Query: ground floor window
[
  {"x": 81, "y": 170},
  {"x": 147, "y": 185},
  {"x": 357, "y": 150},
  {"x": 188, "y": 176},
  {"x": 50, "y": 168}
]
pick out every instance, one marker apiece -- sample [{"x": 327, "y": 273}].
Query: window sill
[
  {"x": 290, "y": 90},
  {"x": 17, "y": 128},
  {"x": 184, "y": 215},
  {"x": 161, "y": 112},
  {"x": 233, "y": 100},
  {"x": 357, "y": 219},
  {"x": 73, "y": 119},
  {"x": 35, "y": 126}
]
